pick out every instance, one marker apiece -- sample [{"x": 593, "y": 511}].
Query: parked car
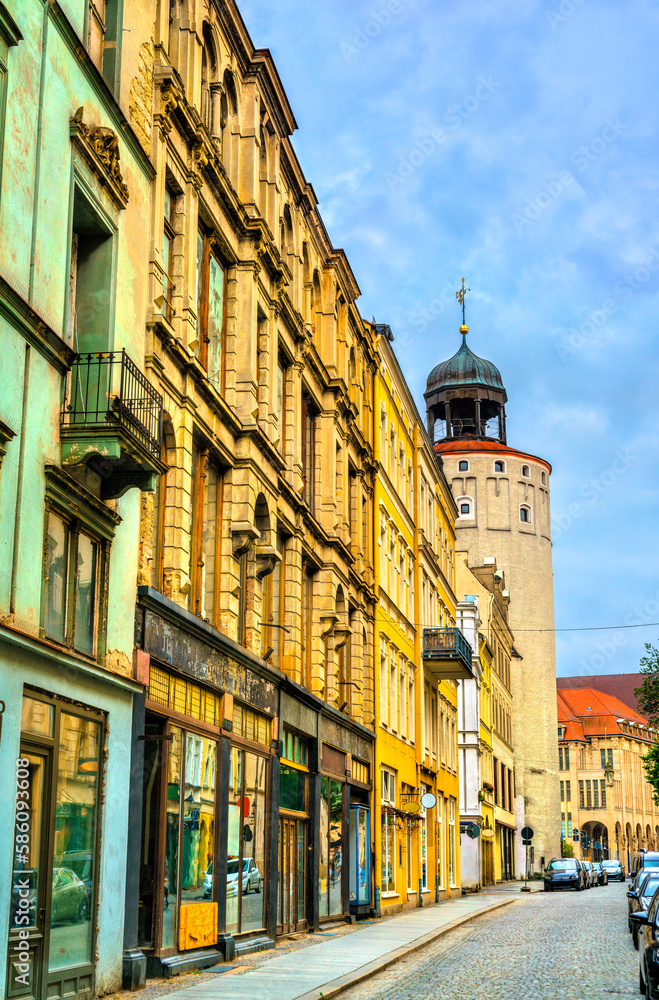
[
  {"x": 564, "y": 873},
  {"x": 634, "y": 892},
  {"x": 614, "y": 870},
  {"x": 590, "y": 876},
  {"x": 646, "y": 922},
  {"x": 69, "y": 897},
  {"x": 600, "y": 873},
  {"x": 641, "y": 899},
  {"x": 643, "y": 859},
  {"x": 252, "y": 880}
]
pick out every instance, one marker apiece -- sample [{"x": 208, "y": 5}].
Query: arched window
[
  {"x": 463, "y": 465},
  {"x": 526, "y": 472},
  {"x": 544, "y": 478},
  {"x": 465, "y": 507},
  {"x": 525, "y": 514},
  {"x": 499, "y": 466},
  {"x": 208, "y": 75}
]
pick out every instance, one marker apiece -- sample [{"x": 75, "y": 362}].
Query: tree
[
  {"x": 568, "y": 849},
  {"x": 648, "y": 702},
  {"x": 651, "y": 766},
  {"x": 648, "y": 693}
]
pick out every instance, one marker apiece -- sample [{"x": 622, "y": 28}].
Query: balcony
[
  {"x": 447, "y": 654},
  {"x": 112, "y": 423}
]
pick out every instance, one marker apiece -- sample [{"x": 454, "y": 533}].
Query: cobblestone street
[{"x": 558, "y": 946}]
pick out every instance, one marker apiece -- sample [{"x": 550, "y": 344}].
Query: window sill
[{"x": 389, "y": 895}]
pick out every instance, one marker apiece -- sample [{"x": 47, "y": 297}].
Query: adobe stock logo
[{"x": 378, "y": 20}]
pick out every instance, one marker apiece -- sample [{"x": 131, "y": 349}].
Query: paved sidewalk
[{"x": 332, "y": 966}]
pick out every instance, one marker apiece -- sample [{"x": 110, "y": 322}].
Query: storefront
[{"x": 63, "y": 777}]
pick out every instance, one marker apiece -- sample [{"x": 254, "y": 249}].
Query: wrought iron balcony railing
[
  {"x": 448, "y": 645},
  {"x": 108, "y": 390}
]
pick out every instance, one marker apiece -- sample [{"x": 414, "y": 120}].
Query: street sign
[
  {"x": 526, "y": 842},
  {"x": 473, "y": 830},
  {"x": 527, "y": 833}
]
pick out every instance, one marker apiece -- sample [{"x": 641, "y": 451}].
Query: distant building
[
  {"x": 606, "y": 801},
  {"x": 622, "y": 686},
  {"x": 503, "y": 513}
]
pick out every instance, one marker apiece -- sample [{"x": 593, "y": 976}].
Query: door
[
  {"x": 28, "y": 927},
  {"x": 292, "y": 875}
]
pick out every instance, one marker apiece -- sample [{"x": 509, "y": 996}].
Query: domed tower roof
[{"x": 464, "y": 369}]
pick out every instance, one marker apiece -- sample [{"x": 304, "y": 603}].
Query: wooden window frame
[
  {"x": 201, "y": 462},
  {"x": 203, "y": 274},
  {"x": 309, "y": 430}
]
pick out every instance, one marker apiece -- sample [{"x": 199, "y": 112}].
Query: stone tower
[{"x": 502, "y": 496}]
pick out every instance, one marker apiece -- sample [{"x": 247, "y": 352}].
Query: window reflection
[
  {"x": 170, "y": 901},
  {"x": 57, "y": 546},
  {"x": 74, "y": 878},
  {"x": 85, "y": 594},
  {"x": 198, "y": 817}
]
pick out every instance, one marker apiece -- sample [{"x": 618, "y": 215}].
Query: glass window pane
[
  {"x": 57, "y": 556},
  {"x": 198, "y": 819},
  {"x": 323, "y": 825},
  {"x": 198, "y": 288},
  {"x": 336, "y": 847},
  {"x": 388, "y": 879},
  {"x": 253, "y": 837},
  {"x": 292, "y": 789},
  {"x": 74, "y": 857},
  {"x": 37, "y": 717},
  {"x": 301, "y": 868},
  {"x": 215, "y": 321},
  {"x": 170, "y": 902},
  {"x": 85, "y": 594},
  {"x": 233, "y": 842},
  {"x": 30, "y": 781}
]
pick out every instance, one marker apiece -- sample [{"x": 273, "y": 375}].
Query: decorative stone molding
[
  {"x": 328, "y": 624},
  {"x": 99, "y": 148},
  {"x": 341, "y": 635},
  {"x": 243, "y": 534},
  {"x": 6, "y": 434},
  {"x": 267, "y": 558},
  {"x": 168, "y": 103}
]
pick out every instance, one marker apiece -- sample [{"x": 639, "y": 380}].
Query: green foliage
[
  {"x": 648, "y": 692},
  {"x": 567, "y": 849},
  {"x": 651, "y": 765}
]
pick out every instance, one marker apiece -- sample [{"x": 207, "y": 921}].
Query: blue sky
[{"x": 513, "y": 142}]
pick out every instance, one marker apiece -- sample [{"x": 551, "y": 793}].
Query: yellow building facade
[{"x": 416, "y": 845}]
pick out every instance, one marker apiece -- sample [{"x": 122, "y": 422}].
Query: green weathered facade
[{"x": 79, "y": 437}]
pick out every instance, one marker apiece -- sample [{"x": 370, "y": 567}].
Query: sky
[{"x": 512, "y": 142}]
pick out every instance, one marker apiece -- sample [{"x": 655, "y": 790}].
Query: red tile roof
[
  {"x": 465, "y": 446},
  {"x": 588, "y": 712},
  {"x": 620, "y": 685}
]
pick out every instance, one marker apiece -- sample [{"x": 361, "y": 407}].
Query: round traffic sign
[{"x": 527, "y": 833}]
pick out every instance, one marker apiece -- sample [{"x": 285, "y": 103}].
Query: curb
[{"x": 336, "y": 986}]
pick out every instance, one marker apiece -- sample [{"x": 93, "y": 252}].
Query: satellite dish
[{"x": 428, "y": 800}]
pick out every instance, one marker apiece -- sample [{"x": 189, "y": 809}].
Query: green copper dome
[{"x": 465, "y": 369}]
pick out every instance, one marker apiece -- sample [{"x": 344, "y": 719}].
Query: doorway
[
  {"x": 292, "y": 875},
  {"x": 55, "y": 872}
]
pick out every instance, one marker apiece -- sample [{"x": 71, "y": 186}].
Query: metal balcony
[
  {"x": 112, "y": 421},
  {"x": 447, "y": 654}
]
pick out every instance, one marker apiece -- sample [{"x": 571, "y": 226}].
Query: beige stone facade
[
  {"x": 603, "y": 789},
  {"x": 255, "y": 342}
]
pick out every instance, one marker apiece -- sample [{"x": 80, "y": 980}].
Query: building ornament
[
  {"x": 243, "y": 534},
  {"x": 99, "y": 148},
  {"x": 267, "y": 558}
]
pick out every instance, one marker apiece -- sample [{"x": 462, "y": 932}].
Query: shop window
[
  {"x": 59, "y": 769},
  {"x": 183, "y": 696},
  {"x": 251, "y": 725},
  {"x": 210, "y": 302},
  {"x": 76, "y": 554},
  {"x": 451, "y": 841},
  {"x": 388, "y": 831},
  {"x": 331, "y": 848},
  {"x": 246, "y": 843}
]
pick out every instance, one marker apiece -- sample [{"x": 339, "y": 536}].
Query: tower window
[
  {"x": 466, "y": 506},
  {"x": 525, "y": 514},
  {"x": 463, "y": 466},
  {"x": 526, "y": 472},
  {"x": 544, "y": 478},
  {"x": 499, "y": 466}
]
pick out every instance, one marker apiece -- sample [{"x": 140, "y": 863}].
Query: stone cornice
[{"x": 33, "y": 328}]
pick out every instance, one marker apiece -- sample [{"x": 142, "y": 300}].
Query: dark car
[
  {"x": 646, "y": 922},
  {"x": 564, "y": 873},
  {"x": 635, "y": 892},
  {"x": 641, "y": 899},
  {"x": 614, "y": 869},
  {"x": 643, "y": 859},
  {"x": 600, "y": 873}
]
